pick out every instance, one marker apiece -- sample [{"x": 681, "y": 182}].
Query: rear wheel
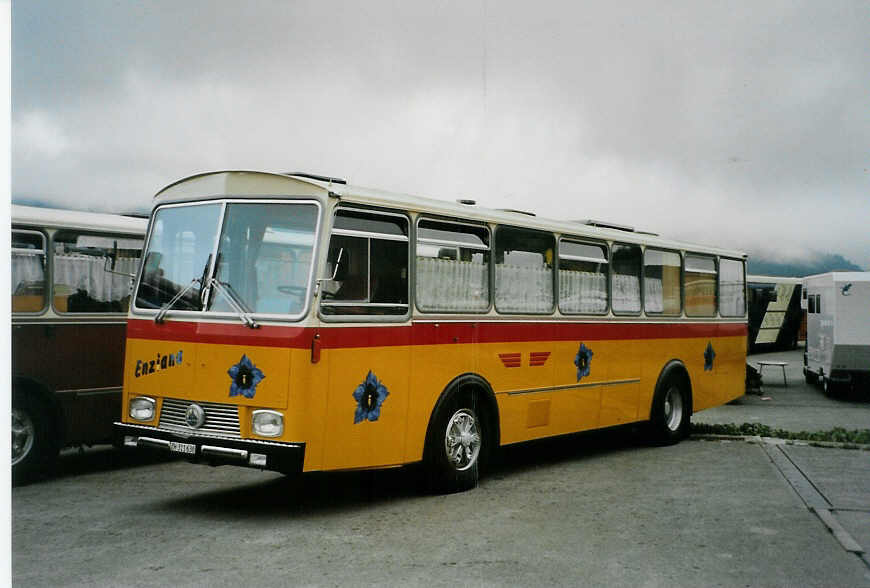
[
  {"x": 455, "y": 445},
  {"x": 671, "y": 411},
  {"x": 810, "y": 376}
]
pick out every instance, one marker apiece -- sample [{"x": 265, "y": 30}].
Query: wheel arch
[
  {"x": 33, "y": 388},
  {"x": 471, "y": 383},
  {"x": 673, "y": 368}
]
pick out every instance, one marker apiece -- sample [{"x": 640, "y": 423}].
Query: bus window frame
[
  {"x": 681, "y": 284},
  {"x": 411, "y": 269},
  {"x": 640, "y": 284},
  {"x": 714, "y": 273},
  {"x": 97, "y": 233},
  {"x": 223, "y": 201},
  {"x": 490, "y": 275},
  {"x": 582, "y": 241},
  {"x": 46, "y": 269},
  {"x": 494, "y": 264}
]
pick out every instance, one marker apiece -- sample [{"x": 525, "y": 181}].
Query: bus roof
[
  {"x": 253, "y": 184},
  {"x": 56, "y": 218},
  {"x": 773, "y": 279}
]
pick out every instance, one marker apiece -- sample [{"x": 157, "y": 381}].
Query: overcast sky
[{"x": 741, "y": 124}]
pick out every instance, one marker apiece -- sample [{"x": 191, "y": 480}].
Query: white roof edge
[
  {"x": 564, "y": 228},
  {"x": 57, "y": 218},
  {"x": 374, "y": 197}
]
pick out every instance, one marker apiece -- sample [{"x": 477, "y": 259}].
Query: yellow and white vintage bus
[{"x": 295, "y": 323}]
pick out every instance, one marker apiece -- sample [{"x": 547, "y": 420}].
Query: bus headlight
[
  {"x": 142, "y": 408},
  {"x": 267, "y": 423}
]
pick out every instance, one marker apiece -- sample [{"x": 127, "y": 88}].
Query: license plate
[{"x": 176, "y": 447}]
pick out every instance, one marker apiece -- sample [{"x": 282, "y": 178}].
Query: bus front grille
[{"x": 220, "y": 419}]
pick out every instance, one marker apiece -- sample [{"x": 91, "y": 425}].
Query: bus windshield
[{"x": 259, "y": 255}]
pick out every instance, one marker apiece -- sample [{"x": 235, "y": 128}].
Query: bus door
[{"x": 366, "y": 340}]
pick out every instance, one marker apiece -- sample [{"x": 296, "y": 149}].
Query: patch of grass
[{"x": 836, "y": 435}]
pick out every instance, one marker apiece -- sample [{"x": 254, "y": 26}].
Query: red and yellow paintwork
[{"x": 529, "y": 365}]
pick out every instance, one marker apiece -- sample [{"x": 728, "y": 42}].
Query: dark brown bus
[{"x": 71, "y": 278}]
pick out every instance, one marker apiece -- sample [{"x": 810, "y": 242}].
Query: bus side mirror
[{"x": 335, "y": 272}]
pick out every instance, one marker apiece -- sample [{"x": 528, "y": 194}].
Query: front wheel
[
  {"x": 671, "y": 412},
  {"x": 455, "y": 445},
  {"x": 33, "y": 445}
]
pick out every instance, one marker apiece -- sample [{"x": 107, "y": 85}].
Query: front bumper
[{"x": 213, "y": 450}]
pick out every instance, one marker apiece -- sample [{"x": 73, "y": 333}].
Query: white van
[{"x": 838, "y": 331}]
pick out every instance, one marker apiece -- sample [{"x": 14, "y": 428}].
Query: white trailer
[{"x": 838, "y": 331}]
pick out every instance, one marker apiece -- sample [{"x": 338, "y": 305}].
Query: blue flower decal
[
  {"x": 245, "y": 376},
  {"x": 709, "y": 356},
  {"x": 369, "y": 396},
  {"x": 582, "y": 361}
]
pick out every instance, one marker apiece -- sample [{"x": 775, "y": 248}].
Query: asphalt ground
[{"x": 593, "y": 510}]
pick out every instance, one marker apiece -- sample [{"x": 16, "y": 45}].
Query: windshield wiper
[
  {"x": 161, "y": 314},
  {"x": 235, "y": 301}
]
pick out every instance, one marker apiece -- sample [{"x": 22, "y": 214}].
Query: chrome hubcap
[
  {"x": 23, "y": 433},
  {"x": 462, "y": 439},
  {"x": 673, "y": 409}
]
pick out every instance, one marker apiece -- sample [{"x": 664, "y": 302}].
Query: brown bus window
[
  {"x": 28, "y": 271},
  {"x": 81, "y": 282}
]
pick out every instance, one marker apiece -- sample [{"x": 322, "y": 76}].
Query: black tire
[
  {"x": 810, "y": 376},
  {"x": 456, "y": 444},
  {"x": 671, "y": 411},
  {"x": 833, "y": 390},
  {"x": 34, "y": 441}
]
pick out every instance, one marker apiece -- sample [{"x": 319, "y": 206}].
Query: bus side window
[
  {"x": 700, "y": 285},
  {"x": 582, "y": 278},
  {"x": 661, "y": 282},
  {"x": 28, "y": 271},
  {"x": 524, "y": 271},
  {"x": 625, "y": 272},
  {"x": 452, "y": 267},
  {"x": 372, "y": 275},
  {"x": 81, "y": 283},
  {"x": 732, "y": 288}
]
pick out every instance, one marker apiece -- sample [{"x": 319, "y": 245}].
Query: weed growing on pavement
[{"x": 835, "y": 435}]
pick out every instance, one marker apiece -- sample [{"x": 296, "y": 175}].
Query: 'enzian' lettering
[{"x": 162, "y": 362}]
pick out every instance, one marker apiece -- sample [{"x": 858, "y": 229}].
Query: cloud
[{"x": 742, "y": 124}]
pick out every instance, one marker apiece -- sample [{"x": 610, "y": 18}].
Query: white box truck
[{"x": 838, "y": 331}]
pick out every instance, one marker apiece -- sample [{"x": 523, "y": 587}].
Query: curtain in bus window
[
  {"x": 81, "y": 284},
  {"x": 452, "y": 285},
  {"x": 626, "y": 293},
  {"x": 653, "y": 298},
  {"x": 583, "y": 292},
  {"x": 28, "y": 282},
  {"x": 522, "y": 288}
]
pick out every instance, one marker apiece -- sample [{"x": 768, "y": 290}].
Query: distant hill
[{"x": 819, "y": 264}]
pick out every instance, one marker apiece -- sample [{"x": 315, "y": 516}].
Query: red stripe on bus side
[{"x": 422, "y": 333}]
